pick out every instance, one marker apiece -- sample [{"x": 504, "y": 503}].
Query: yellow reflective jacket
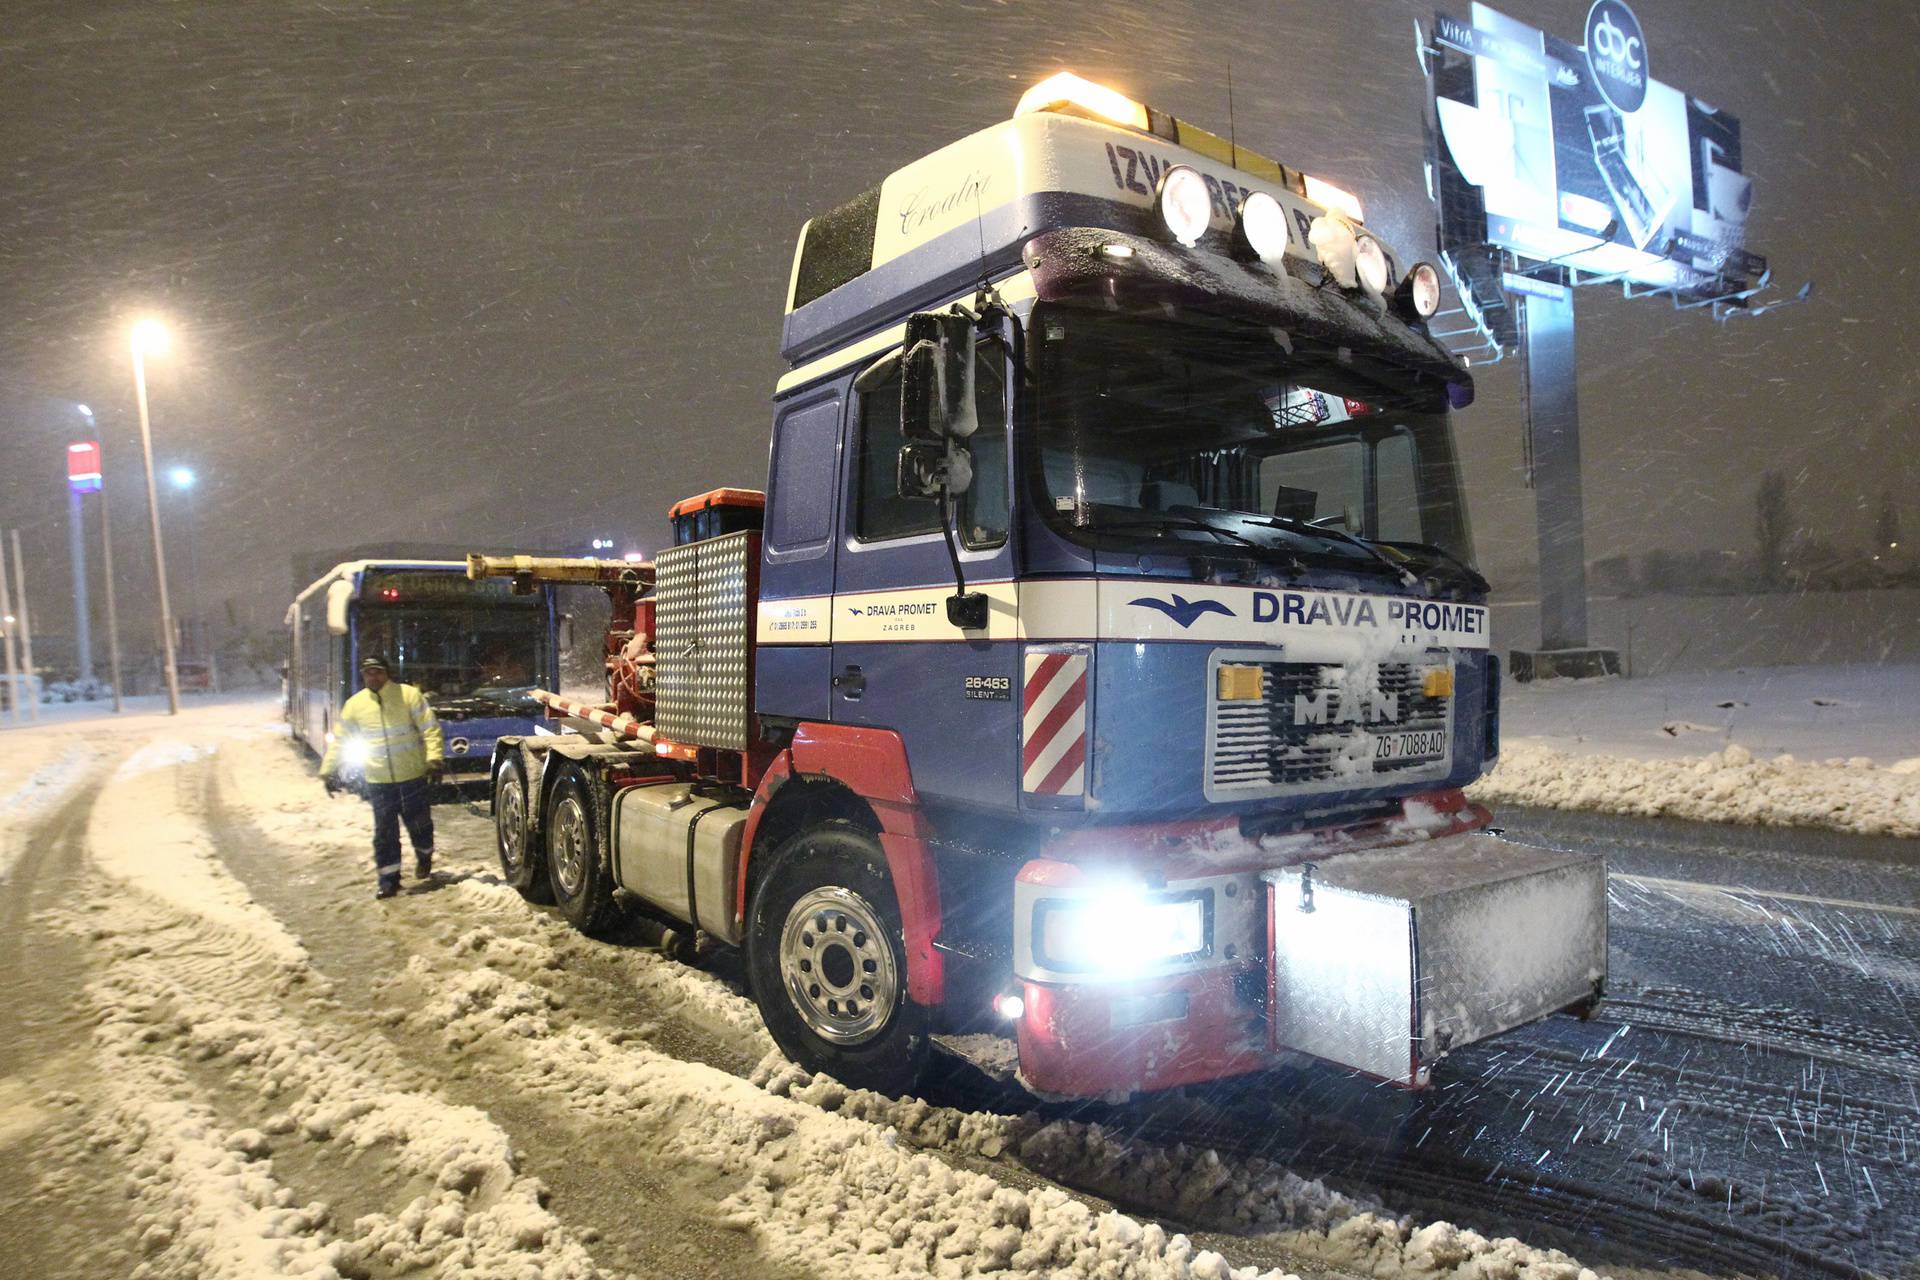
[{"x": 391, "y": 736}]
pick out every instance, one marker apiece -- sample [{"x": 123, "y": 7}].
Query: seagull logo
[{"x": 1182, "y": 610}]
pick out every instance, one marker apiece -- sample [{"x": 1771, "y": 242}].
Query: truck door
[
  {"x": 793, "y": 655},
  {"x": 897, "y": 662}
]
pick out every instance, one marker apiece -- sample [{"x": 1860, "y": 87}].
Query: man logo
[{"x": 1617, "y": 55}]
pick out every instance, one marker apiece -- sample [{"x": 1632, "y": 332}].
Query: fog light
[{"x": 1009, "y": 1006}]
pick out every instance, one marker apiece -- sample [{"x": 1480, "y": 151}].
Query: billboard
[{"x": 1579, "y": 157}]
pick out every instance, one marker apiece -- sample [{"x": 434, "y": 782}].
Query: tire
[
  {"x": 827, "y": 962},
  {"x": 522, "y": 865},
  {"x": 578, "y": 877}
]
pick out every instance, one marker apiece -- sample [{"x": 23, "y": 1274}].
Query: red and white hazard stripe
[
  {"x": 1053, "y": 758},
  {"x": 621, "y": 723}
]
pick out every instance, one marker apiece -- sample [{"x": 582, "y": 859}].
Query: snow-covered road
[{"x": 232, "y": 1062}]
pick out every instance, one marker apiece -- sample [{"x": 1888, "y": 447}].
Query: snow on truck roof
[{"x": 1074, "y": 153}]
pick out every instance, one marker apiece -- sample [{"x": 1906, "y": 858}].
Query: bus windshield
[
  {"x": 1219, "y": 440},
  {"x": 454, "y": 651}
]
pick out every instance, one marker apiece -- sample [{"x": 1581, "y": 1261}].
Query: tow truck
[{"x": 1103, "y": 662}]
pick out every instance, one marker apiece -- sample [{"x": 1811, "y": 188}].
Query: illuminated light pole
[
  {"x": 83, "y": 477},
  {"x": 150, "y": 337},
  {"x": 26, "y": 629},
  {"x": 182, "y": 481},
  {"x": 106, "y": 571},
  {"x": 6, "y": 635}
]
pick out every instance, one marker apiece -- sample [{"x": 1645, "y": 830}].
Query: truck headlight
[{"x": 1118, "y": 932}]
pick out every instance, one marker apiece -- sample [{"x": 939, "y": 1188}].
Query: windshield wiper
[
  {"x": 1406, "y": 576},
  {"x": 1172, "y": 519},
  {"x": 1473, "y": 577}
]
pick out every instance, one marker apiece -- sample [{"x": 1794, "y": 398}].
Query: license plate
[{"x": 1422, "y": 744}]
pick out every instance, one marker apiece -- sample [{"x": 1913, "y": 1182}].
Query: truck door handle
[{"x": 851, "y": 683}]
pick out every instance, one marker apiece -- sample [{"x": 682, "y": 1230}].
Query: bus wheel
[
  {"x": 581, "y": 881},
  {"x": 828, "y": 963},
  {"x": 520, "y": 863}
]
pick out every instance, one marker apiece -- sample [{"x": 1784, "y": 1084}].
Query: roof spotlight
[
  {"x": 1370, "y": 264},
  {"x": 1185, "y": 206},
  {"x": 1418, "y": 296},
  {"x": 1263, "y": 223}
]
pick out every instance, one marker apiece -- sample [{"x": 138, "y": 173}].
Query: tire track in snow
[
  {"x": 197, "y": 972},
  {"x": 1256, "y": 1208}
]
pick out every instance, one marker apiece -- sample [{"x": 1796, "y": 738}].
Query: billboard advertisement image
[{"x": 1580, "y": 157}]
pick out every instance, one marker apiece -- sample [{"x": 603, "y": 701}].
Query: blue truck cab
[{"x": 1106, "y": 663}]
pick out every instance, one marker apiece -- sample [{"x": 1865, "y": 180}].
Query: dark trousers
[{"x": 393, "y": 803}]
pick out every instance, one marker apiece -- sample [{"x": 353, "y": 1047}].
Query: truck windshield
[
  {"x": 450, "y": 651},
  {"x": 1220, "y": 439}
]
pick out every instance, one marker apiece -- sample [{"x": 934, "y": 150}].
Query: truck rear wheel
[
  {"x": 580, "y": 879},
  {"x": 828, "y": 965},
  {"x": 520, "y": 863}
]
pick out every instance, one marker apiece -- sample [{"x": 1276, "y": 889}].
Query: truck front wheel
[
  {"x": 520, "y": 863},
  {"x": 828, "y": 965},
  {"x": 581, "y": 881}
]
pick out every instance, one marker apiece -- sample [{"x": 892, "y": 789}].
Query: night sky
[{"x": 513, "y": 273}]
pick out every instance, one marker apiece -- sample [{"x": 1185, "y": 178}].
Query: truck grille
[
  {"x": 1316, "y": 724},
  {"x": 702, "y": 619}
]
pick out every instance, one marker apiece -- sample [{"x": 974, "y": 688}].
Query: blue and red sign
[{"x": 83, "y": 466}]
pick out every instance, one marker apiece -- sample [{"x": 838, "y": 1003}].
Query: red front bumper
[{"x": 1097, "y": 1041}]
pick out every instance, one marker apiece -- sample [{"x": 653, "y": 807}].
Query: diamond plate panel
[{"x": 700, "y": 642}]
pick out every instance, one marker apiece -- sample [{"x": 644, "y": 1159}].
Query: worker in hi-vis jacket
[{"x": 388, "y": 737}]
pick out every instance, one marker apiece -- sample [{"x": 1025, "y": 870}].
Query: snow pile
[
  {"x": 854, "y": 1183},
  {"x": 820, "y": 1190},
  {"x": 212, "y": 1202},
  {"x": 144, "y": 831},
  {"x": 211, "y": 1207},
  {"x": 196, "y": 973},
  {"x": 1730, "y": 785},
  {"x": 40, "y": 791}
]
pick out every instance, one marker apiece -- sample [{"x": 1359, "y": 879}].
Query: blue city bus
[{"x": 476, "y": 650}]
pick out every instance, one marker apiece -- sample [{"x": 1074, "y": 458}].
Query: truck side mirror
[
  {"x": 936, "y": 377},
  {"x": 339, "y": 596},
  {"x": 930, "y": 468},
  {"x": 563, "y": 635}
]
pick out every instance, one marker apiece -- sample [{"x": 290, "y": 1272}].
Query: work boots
[
  {"x": 389, "y": 886},
  {"x": 423, "y": 863}
]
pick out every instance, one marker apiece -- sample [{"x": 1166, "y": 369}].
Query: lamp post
[
  {"x": 149, "y": 337},
  {"x": 191, "y": 622},
  {"x": 83, "y": 477}
]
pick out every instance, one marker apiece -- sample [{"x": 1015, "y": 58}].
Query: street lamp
[{"x": 150, "y": 337}]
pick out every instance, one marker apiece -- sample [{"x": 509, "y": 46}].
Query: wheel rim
[
  {"x": 838, "y": 966},
  {"x": 568, "y": 852},
  {"x": 511, "y": 819}
]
